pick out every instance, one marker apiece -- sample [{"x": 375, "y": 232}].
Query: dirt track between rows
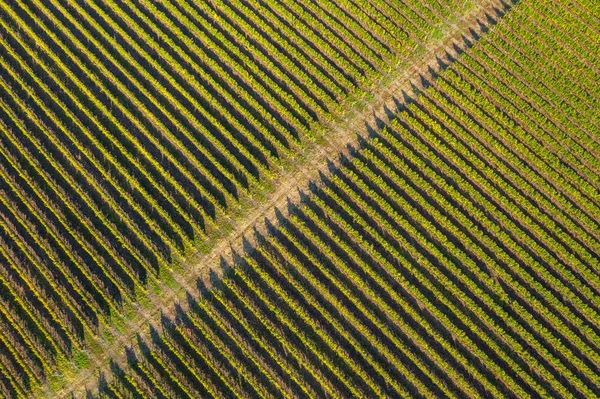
[{"x": 340, "y": 136}]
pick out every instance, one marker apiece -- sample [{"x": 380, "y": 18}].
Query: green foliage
[{"x": 454, "y": 255}]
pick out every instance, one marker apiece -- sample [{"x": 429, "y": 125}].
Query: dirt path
[{"x": 340, "y": 135}]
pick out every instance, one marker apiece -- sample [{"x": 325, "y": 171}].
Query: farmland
[
  {"x": 455, "y": 252},
  {"x": 454, "y": 255},
  {"x": 129, "y": 130}
]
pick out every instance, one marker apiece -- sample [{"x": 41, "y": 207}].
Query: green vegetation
[
  {"x": 131, "y": 130},
  {"x": 456, "y": 254}
]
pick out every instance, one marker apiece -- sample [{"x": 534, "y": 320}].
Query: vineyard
[{"x": 454, "y": 253}]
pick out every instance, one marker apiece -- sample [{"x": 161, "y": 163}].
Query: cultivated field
[
  {"x": 130, "y": 131},
  {"x": 455, "y": 252}
]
